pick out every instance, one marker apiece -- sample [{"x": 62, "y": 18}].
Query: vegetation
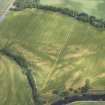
[
  {"x": 89, "y": 47},
  {"x": 63, "y": 54},
  {"x": 79, "y": 16},
  {"x": 86, "y": 87},
  {"x": 26, "y": 69},
  {"x": 26, "y": 4},
  {"x": 93, "y": 7}
]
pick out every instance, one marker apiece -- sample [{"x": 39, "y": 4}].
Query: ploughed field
[{"x": 63, "y": 53}]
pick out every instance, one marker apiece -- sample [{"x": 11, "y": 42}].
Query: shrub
[
  {"x": 55, "y": 92},
  {"x": 91, "y": 19},
  {"x": 75, "y": 91},
  {"x": 86, "y": 87},
  {"x": 83, "y": 17},
  {"x": 64, "y": 93},
  {"x": 98, "y": 23},
  {"x": 70, "y": 89}
]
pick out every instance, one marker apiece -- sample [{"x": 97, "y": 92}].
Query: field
[
  {"x": 14, "y": 88},
  {"x": 63, "y": 52},
  {"x": 92, "y": 7}
]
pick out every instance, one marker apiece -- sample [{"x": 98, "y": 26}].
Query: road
[
  {"x": 6, "y": 11},
  {"x": 85, "y": 97}
]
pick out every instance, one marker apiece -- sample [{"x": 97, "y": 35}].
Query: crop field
[{"x": 63, "y": 53}]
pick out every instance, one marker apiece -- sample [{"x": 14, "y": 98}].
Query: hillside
[{"x": 64, "y": 53}]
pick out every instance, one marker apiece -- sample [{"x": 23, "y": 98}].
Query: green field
[
  {"x": 63, "y": 53},
  {"x": 92, "y": 7}
]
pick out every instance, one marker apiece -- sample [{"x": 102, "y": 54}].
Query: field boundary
[{"x": 80, "y": 16}]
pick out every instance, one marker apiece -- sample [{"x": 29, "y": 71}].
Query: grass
[{"x": 64, "y": 53}]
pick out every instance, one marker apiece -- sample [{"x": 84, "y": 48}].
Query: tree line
[
  {"x": 84, "y": 17},
  {"x": 99, "y": 23}
]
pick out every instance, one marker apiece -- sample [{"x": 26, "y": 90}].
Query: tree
[
  {"x": 36, "y": 3},
  {"x": 86, "y": 87},
  {"x": 83, "y": 17},
  {"x": 55, "y": 92},
  {"x": 91, "y": 19},
  {"x": 64, "y": 93}
]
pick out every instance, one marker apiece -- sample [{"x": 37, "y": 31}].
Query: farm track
[{"x": 3, "y": 13}]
